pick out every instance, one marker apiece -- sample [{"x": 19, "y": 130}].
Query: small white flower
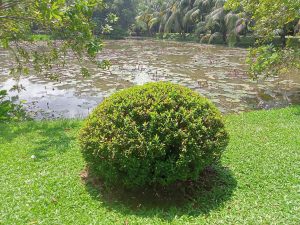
[{"x": 33, "y": 156}]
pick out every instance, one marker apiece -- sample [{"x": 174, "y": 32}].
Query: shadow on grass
[
  {"x": 213, "y": 188},
  {"x": 297, "y": 109},
  {"x": 45, "y": 138}
]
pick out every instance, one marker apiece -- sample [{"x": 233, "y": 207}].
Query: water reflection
[{"x": 217, "y": 72}]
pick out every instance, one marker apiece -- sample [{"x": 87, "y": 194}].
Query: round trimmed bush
[{"x": 155, "y": 134}]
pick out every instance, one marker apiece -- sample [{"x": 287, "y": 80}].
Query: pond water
[{"x": 217, "y": 72}]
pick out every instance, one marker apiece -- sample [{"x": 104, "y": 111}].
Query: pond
[{"x": 217, "y": 72}]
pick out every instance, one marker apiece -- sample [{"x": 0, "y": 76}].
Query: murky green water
[{"x": 216, "y": 72}]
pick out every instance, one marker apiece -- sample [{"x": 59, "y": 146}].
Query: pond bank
[{"x": 244, "y": 41}]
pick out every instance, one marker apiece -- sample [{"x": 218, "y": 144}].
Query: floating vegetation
[{"x": 216, "y": 72}]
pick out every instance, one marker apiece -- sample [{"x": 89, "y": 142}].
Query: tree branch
[{"x": 16, "y": 18}]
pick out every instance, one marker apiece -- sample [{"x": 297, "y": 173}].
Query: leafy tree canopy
[
  {"x": 67, "y": 20},
  {"x": 125, "y": 10},
  {"x": 272, "y": 18}
]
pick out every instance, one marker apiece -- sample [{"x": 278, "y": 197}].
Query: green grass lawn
[{"x": 257, "y": 183}]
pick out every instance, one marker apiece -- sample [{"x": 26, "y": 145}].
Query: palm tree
[{"x": 196, "y": 16}]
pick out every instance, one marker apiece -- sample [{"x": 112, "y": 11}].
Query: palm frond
[
  {"x": 188, "y": 17},
  {"x": 200, "y": 28},
  {"x": 231, "y": 21}
]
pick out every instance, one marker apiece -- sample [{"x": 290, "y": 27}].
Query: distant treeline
[{"x": 206, "y": 21}]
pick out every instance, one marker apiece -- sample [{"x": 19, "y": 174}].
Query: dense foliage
[
  {"x": 9, "y": 110},
  {"x": 155, "y": 134},
  {"x": 206, "y": 18},
  {"x": 272, "y": 18},
  {"x": 81, "y": 25},
  {"x": 125, "y": 10},
  {"x": 270, "y": 23},
  {"x": 70, "y": 21}
]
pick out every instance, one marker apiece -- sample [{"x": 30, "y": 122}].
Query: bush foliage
[
  {"x": 155, "y": 134},
  {"x": 9, "y": 110}
]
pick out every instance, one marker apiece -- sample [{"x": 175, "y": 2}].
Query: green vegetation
[
  {"x": 177, "y": 37},
  {"x": 200, "y": 17},
  {"x": 9, "y": 110},
  {"x": 270, "y": 27},
  {"x": 258, "y": 182},
  {"x": 44, "y": 178},
  {"x": 69, "y": 21},
  {"x": 126, "y": 13},
  {"x": 81, "y": 25},
  {"x": 272, "y": 18},
  {"x": 155, "y": 134},
  {"x": 39, "y": 37}
]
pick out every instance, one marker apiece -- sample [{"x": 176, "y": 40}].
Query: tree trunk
[
  {"x": 246, "y": 29},
  {"x": 148, "y": 29},
  {"x": 282, "y": 37},
  {"x": 224, "y": 36}
]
